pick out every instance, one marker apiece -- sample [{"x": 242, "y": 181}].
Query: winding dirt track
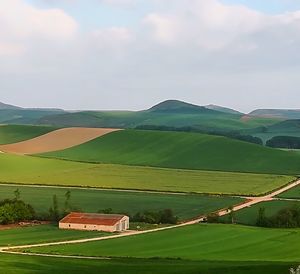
[
  {"x": 249, "y": 202},
  {"x": 56, "y": 140}
]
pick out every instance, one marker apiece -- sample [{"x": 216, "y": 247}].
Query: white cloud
[{"x": 22, "y": 23}]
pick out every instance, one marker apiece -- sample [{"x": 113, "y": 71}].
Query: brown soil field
[{"x": 56, "y": 140}]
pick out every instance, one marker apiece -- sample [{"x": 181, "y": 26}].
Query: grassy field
[
  {"x": 18, "y": 264},
  {"x": 42, "y": 234},
  {"x": 182, "y": 150},
  {"x": 92, "y": 200},
  {"x": 34, "y": 170},
  {"x": 196, "y": 242},
  {"x": 248, "y": 216},
  {"x": 293, "y": 193},
  {"x": 16, "y": 133}
]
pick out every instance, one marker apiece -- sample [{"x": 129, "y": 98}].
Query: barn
[{"x": 95, "y": 222}]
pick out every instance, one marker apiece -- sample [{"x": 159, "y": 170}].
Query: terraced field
[
  {"x": 196, "y": 242},
  {"x": 16, "y": 133},
  {"x": 34, "y": 170},
  {"x": 92, "y": 200},
  {"x": 182, "y": 150}
]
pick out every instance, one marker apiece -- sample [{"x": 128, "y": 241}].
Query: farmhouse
[{"x": 93, "y": 221}]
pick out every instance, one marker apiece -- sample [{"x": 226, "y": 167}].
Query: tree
[
  {"x": 67, "y": 201},
  {"x": 262, "y": 220},
  {"x": 17, "y": 194},
  {"x": 54, "y": 211}
]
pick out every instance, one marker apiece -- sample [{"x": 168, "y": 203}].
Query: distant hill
[
  {"x": 277, "y": 113},
  {"x": 172, "y": 113},
  {"x": 182, "y": 150},
  {"x": 6, "y": 106},
  {"x": 223, "y": 109}
]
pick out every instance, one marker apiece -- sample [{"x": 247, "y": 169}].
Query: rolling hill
[
  {"x": 223, "y": 109},
  {"x": 168, "y": 113},
  {"x": 16, "y": 133},
  {"x": 182, "y": 150},
  {"x": 277, "y": 113},
  {"x": 7, "y": 106}
]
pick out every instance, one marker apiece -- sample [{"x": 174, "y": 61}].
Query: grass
[
  {"x": 18, "y": 264},
  {"x": 16, "y": 133},
  {"x": 248, "y": 216},
  {"x": 41, "y": 234},
  {"x": 196, "y": 242},
  {"x": 34, "y": 170},
  {"x": 293, "y": 193},
  {"x": 91, "y": 200},
  {"x": 182, "y": 150}
]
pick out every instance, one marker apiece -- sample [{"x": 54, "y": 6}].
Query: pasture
[
  {"x": 248, "y": 216},
  {"x": 92, "y": 200},
  {"x": 16, "y": 133},
  {"x": 42, "y": 234},
  {"x": 182, "y": 150},
  {"x": 213, "y": 242},
  {"x": 18, "y": 264},
  {"x": 293, "y": 193},
  {"x": 34, "y": 170}
]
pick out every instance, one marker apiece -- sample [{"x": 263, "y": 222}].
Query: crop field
[
  {"x": 182, "y": 150},
  {"x": 41, "y": 234},
  {"x": 34, "y": 170},
  {"x": 18, "y": 264},
  {"x": 92, "y": 200},
  {"x": 248, "y": 216},
  {"x": 17, "y": 133},
  {"x": 293, "y": 193},
  {"x": 196, "y": 242}
]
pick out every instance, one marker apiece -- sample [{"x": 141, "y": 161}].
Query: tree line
[{"x": 289, "y": 142}]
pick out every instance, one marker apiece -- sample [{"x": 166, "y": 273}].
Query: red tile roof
[{"x": 92, "y": 219}]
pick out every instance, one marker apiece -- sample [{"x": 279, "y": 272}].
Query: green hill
[
  {"x": 277, "y": 113},
  {"x": 224, "y": 109},
  {"x": 284, "y": 128},
  {"x": 182, "y": 150},
  {"x": 170, "y": 113},
  {"x": 16, "y": 133}
]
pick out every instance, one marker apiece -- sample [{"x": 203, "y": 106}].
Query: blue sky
[{"x": 131, "y": 54}]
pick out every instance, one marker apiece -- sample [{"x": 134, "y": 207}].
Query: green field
[
  {"x": 16, "y": 133},
  {"x": 18, "y": 264},
  {"x": 293, "y": 193},
  {"x": 248, "y": 216},
  {"x": 196, "y": 242},
  {"x": 42, "y": 234},
  {"x": 92, "y": 200},
  {"x": 34, "y": 170},
  {"x": 182, "y": 150}
]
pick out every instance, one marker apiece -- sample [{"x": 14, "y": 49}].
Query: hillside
[
  {"x": 277, "y": 113},
  {"x": 168, "y": 113},
  {"x": 182, "y": 150},
  {"x": 223, "y": 109},
  {"x": 284, "y": 128},
  {"x": 6, "y": 106},
  {"x": 25, "y": 116},
  {"x": 17, "y": 133}
]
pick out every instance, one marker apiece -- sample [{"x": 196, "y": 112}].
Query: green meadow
[
  {"x": 182, "y": 150},
  {"x": 91, "y": 200},
  {"x": 16, "y": 133},
  {"x": 20, "y": 264},
  {"x": 248, "y": 216},
  {"x": 293, "y": 193},
  {"x": 42, "y": 234},
  {"x": 213, "y": 242},
  {"x": 34, "y": 170}
]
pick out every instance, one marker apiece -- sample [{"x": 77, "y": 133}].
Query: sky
[{"x": 132, "y": 54}]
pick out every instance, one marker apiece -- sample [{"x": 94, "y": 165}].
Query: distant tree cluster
[
  {"x": 285, "y": 218},
  {"x": 165, "y": 216},
  {"x": 15, "y": 210},
  {"x": 229, "y": 134},
  {"x": 289, "y": 142}
]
